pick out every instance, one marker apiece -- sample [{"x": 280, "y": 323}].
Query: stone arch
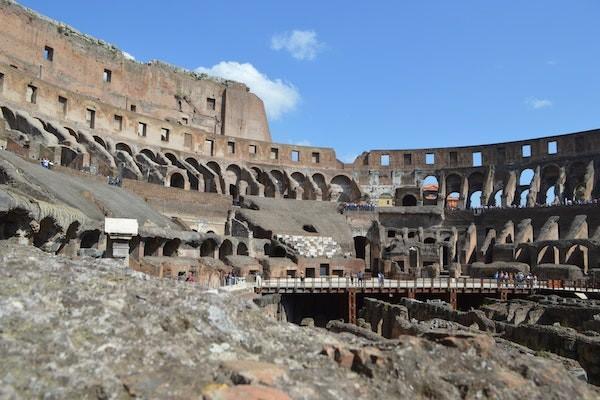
[
  {"x": 172, "y": 158},
  {"x": 124, "y": 147},
  {"x": 300, "y": 180},
  {"x": 548, "y": 255},
  {"x": 548, "y": 179},
  {"x": 429, "y": 240},
  {"x": 343, "y": 189},
  {"x": 279, "y": 182},
  {"x": 150, "y": 154},
  {"x": 226, "y": 249},
  {"x": 526, "y": 176},
  {"x": 171, "y": 248},
  {"x": 219, "y": 183},
  {"x": 242, "y": 249},
  {"x": 208, "y": 248},
  {"x": 577, "y": 255},
  {"x": 267, "y": 249},
  {"x": 321, "y": 184},
  {"x": 452, "y": 200},
  {"x": 100, "y": 141},
  {"x": 523, "y": 198},
  {"x": 232, "y": 177},
  {"x": 475, "y": 182},
  {"x": 177, "y": 180},
  {"x": 575, "y": 184},
  {"x": 409, "y": 200}
]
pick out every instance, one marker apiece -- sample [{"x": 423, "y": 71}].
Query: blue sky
[{"x": 389, "y": 74}]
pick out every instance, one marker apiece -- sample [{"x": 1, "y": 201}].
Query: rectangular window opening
[
  {"x": 133, "y": 108},
  {"x": 31, "y": 94},
  {"x": 295, "y": 155},
  {"x": 477, "y": 159},
  {"x": 316, "y": 158},
  {"x": 185, "y": 121},
  {"x": 210, "y": 104},
  {"x": 252, "y": 149},
  {"x": 552, "y": 147},
  {"x": 142, "y": 129},
  {"x": 107, "y": 76},
  {"x": 164, "y": 134},
  {"x": 429, "y": 158},
  {"x": 274, "y": 153},
  {"x": 407, "y": 159},
  {"x": 62, "y": 105},
  {"x": 526, "y": 150},
  {"x": 384, "y": 160},
  {"x": 118, "y": 123},
  {"x": 208, "y": 147},
  {"x": 48, "y": 53},
  {"x": 90, "y": 118},
  {"x": 230, "y": 147}
]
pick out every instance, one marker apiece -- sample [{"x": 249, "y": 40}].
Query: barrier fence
[{"x": 336, "y": 282}]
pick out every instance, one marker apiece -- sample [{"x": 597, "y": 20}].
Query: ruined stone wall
[{"x": 78, "y": 63}]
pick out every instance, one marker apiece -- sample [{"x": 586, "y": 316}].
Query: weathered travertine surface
[{"x": 91, "y": 329}]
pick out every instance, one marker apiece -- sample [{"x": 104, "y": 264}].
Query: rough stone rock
[
  {"x": 91, "y": 328},
  {"x": 253, "y": 372}
]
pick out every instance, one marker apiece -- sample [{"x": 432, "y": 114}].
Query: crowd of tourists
[
  {"x": 565, "y": 202},
  {"x": 517, "y": 280},
  {"x": 358, "y": 206}
]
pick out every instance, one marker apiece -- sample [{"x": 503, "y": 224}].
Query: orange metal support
[
  {"x": 352, "y": 306},
  {"x": 453, "y": 299}
]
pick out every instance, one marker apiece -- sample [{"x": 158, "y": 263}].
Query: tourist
[
  {"x": 497, "y": 276},
  {"x": 351, "y": 279},
  {"x": 302, "y": 278},
  {"x": 360, "y": 276},
  {"x": 258, "y": 279},
  {"x": 380, "y": 278}
]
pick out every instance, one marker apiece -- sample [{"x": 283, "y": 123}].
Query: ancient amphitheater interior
[{"x": 383, "y": 247}]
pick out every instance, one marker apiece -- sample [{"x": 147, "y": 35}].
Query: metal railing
[{"x": 336, "y": 282}]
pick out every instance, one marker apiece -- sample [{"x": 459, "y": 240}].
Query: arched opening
[
  {"x": 208, "y": 248},
  {"x": 177, "y": 180},
  {"x": 67, "y": 156},
  {"x": 578, "y": 255},
  {"x": 242, "y": 249},
  {"x": 171, "y": 248},
  {"x": 453, "y": 188},
  {"x": 413, "y": 258},
  {"x": 47, "y": 230},
  {"x": 299, "y": 180},
  {"x": 267, "y": 249},
  {"x": 509, "y": 239},
  {"x": 409, "y": 200},
  {"x": 225, "y": 250},
  {"x": 100, "y": 141},
  {"x": 445, "y": 255},
  {"x": 475, "y": 199},
  {"x": 475, "y": 182},
  {"x": 321, "y": 185},
  {"x": 150, "y": 154},
  {"x": 172, "y": 158},
  {"x": 550, "y": 195},
  {"x": 523, "y": 198},
  {"x": 548, "y": 255},
  {"x": 430, "y": 188},
  {"x": 124, "y": 147},
  {"x": 429, "y": 240},
  {"x": 278, "y": 251},
  {"x": 343, "y": 189},
  {"x": 89, "y": 239},
  {"x": 526, "y": 177},
  {"x": 498, "y": 198}
]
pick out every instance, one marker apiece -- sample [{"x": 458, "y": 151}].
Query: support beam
[{"x": 352, "y": 306}]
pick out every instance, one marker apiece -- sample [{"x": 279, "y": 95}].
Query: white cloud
[
  {"x": 279, "y": 97},
  {"x": 302, "y": 45},
  {"x": 128, "y": 56},
  {"x": 537, "y": 104}
]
